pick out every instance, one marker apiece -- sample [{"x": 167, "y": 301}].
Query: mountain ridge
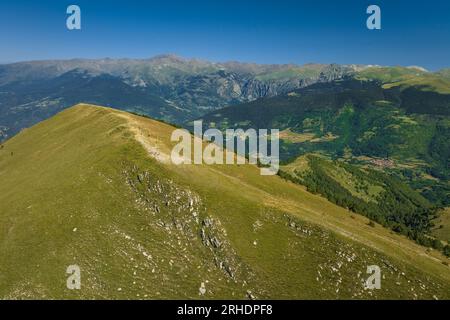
[{"x": 92, "y": 195}]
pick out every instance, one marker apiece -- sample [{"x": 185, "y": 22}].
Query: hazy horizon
[
  {"x": 263, "y": 32},
  {"x": 217, "y": 62}
]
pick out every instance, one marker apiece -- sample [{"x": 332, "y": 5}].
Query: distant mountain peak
[
  {"x": 417, "y": 68},
  {"x": 168, "y": 57}
]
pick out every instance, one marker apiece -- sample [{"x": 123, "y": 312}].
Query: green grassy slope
[
  {"x": 441, "y": 229},
  {"x": 92, "y": 187},
  {"x": 382, "y": 198},
  {"x": 407, "y": 77}
]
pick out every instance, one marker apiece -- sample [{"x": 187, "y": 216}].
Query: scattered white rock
[
  {"x": 202, "y": 289},
  {"x": 250, "y": 295}
]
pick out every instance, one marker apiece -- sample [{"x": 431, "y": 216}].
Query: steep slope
[{"x": 94, "y": 187}]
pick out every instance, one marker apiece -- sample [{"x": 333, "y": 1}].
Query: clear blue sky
[{"x": 263, "y": 31}]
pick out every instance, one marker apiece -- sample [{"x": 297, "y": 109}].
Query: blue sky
[{"x": 262, "y": 31}]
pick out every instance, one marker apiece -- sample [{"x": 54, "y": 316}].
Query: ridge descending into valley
[
  {"x": 377, "y": 147},
  {"x": 93, "y": 187}
]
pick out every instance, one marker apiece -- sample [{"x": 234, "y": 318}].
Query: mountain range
[{"x": 165, "y": 87}]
